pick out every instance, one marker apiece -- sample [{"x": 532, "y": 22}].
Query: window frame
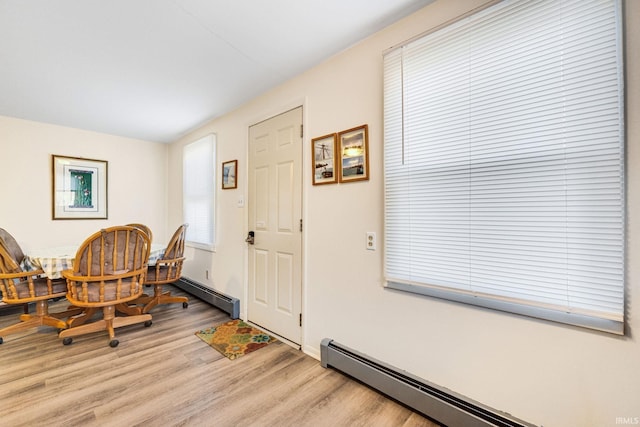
[{"x": 207, "y": 191}]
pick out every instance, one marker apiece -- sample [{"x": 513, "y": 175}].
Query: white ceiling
[{"x": 156, "y": 69}]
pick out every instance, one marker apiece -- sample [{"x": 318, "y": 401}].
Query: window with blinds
[
  {"x": 504, "y": 156},
  {"x": 198, "y": 192}
]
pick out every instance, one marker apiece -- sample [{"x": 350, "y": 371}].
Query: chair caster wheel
[
  {"x": 114, "y": 343},
  {"x": 1, "y": 340},
  {"x": 67, "y": 341},
  {"x": 147, "y": 323},
  {"x": 185, "y": 304}
]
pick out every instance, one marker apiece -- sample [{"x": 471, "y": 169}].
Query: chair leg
[
  {"x": 98, "y": 325},
  {"x": 40, "y": 318},
  {"x": 109, "y": 314},
  {"x": 22, "y": 326},
  {"x": 82, "y": 317},
  {"x": 131, "y": 310},
  {"x": 70, "y": 312},
  {"x": 143, "y": 299},
  {"x": 160, "y": 297},
  {"x": 118, "y": 322},
  {"x": 149, "y": 305},
  {"x": 109, "y": 323}
]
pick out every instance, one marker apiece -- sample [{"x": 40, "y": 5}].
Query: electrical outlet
[{"x": 371, "y": 241}]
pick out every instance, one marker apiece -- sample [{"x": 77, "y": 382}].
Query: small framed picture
[
  {"x": 324, "y": 159},
  {"x": 78, "y": 188},
  {"x": 354, "y": 154},
  {"x": 230, "y": 175}
]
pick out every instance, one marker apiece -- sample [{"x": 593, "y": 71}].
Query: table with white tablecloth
[{"x": 56, "y": 259}]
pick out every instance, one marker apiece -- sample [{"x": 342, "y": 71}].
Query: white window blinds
[
  {"x": 504, "y": 154},
  {"x": 199, "y": 183}
]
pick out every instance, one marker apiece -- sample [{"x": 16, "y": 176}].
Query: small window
[{"x": 199, "y": 184}]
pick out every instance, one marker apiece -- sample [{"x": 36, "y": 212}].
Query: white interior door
[{"x": 275, "y": 216}]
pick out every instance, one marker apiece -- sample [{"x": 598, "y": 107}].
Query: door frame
[{"x": 263, "y": 116}]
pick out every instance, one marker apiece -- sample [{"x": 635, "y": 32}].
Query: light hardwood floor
[{"x": 166, "y": 376}]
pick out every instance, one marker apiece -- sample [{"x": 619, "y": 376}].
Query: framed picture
[
  {"x": 354, "y": 154},
  {"x": 229, "y": 174},
  {"x": 79, "y": 188},
  {"x": 324, "y": 159}
]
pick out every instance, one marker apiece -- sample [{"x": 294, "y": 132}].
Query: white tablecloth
[{"x": 54, "y": 260}]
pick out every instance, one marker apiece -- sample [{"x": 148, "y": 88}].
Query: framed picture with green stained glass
[{"x": 79, "y": 188}]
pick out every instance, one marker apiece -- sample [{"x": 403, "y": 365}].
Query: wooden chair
[
  {"x": 167, "y": 270},
  {"x": 108, "y": 271},
  {"x": 22, "y": 287}
]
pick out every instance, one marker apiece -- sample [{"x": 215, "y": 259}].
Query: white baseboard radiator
[
  {"x": 223, "y": 302},
  {"x": 436, "y": 403}
]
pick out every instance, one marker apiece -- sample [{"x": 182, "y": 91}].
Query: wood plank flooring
[{"x": 166, "y": 376}]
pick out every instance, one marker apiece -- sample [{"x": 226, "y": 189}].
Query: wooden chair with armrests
[
  {"x": 166, "y": 270},
  {"x": 109, "y": 270},
  {"x": 22, "y": 287}
]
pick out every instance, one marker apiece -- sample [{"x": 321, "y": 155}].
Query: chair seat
[
  {"x": 160, "y": 274},
  {"x": 108, "y": 291},
  {"x": 41, "y": 289}
]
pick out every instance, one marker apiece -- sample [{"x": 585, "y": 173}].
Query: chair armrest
[
  {"x": 22, "y": 274},
  {"x": 10, "y": 283},
  {"x": 170, "y": 261},
  {"x": 73, "y": 276}
]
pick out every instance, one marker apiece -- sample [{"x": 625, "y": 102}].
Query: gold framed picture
[
  {"x": 323, "y": 152},
  {"x": 354, "y": 154},
  {"x": 230, "y": 174}
]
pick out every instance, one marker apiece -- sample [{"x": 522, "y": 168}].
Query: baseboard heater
[
  {"x": 437, "y": 403},
  {"x": 223, "y": 302}
]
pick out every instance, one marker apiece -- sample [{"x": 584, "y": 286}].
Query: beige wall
[
  {"x": 543, "y": 372},
  {"x": 137, "y": 182}
]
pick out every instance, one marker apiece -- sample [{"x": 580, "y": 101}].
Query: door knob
[{"x": 250, "y": 238}]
